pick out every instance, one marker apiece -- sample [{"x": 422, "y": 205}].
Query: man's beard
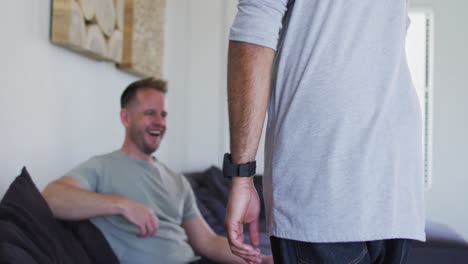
[{"x": 138, "y": 137}]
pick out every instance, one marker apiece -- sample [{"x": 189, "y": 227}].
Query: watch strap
[{"x": 231, "y": 169}]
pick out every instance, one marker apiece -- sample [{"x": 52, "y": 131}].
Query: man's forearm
[
  {"x": 218, "y": 250},
  {"x": 249, "y": 75},
  {"x": 70, "y": 202}
]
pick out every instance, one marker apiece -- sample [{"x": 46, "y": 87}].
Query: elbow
[
  {"x": 57, "y": 193},
  {"x": 50, "y": 195}
]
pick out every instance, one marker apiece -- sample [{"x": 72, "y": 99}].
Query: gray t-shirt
[
  {"x": 152, "y": 184},
  {"x": 343, "y": 157}
]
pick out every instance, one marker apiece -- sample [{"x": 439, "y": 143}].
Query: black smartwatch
[{"x": 231, "y": 169}]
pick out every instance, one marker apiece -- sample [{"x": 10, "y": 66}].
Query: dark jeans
[{"x": 392, "y": 251}]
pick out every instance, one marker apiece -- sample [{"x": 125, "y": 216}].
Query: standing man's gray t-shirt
[
  {"x": 343, "y": 158},
  {"x": 155, "y": 186}
]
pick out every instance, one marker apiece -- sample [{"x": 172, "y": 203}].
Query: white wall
[
  {"x": 59, "y": 108},
  {"x": 447, "y": 201},
  {"x": 196, "y": 71},
  {"x": 196, "y": 68}
]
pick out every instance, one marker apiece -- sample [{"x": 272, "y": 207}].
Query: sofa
[{"x": 29, "y": 234}]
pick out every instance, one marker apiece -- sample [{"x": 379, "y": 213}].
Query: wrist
[
  {"x": 237, "y": 157},
  {"x": 232, "y": 169},
  {"x": 242, "y": 182},
  {"x": 119, "y": 205}
]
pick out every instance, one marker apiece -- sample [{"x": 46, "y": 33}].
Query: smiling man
[{"x": 147, "y": 212}]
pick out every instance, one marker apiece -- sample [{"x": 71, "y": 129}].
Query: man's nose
[{"x": 160, "y": 120}]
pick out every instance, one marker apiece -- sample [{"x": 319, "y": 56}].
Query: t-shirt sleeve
[
  {"x": 190, "y": 204},
  {"x": 87, "y": 173},
  {"x": 259, "y": 22}
]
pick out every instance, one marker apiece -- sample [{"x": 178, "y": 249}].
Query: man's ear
[{"x": 124, "y": 117}]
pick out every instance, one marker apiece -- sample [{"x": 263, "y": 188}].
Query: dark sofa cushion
[
  {"x": 27, "y": 226},
  {"x": 24, "y": 207},
  {"x": 92, "y": 240},
  {"x": 211, "y": 194},
  {"x": 12, "y": 254},
  {"x": 17, "y": 247}
]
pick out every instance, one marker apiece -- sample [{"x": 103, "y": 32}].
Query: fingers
[
  {"x": 252, "y": 259},
  {"x": 239, "y": 248},
  {"x": 146, "y": 221},
  {"x": 150, "y": 224},
  {"x": 244, "y": 252},
  {"x": 267, "y": 259},
  {"x": 155, "y": 223},
  {"x": 249, "y": 257},
  {"x": 254, "y": 232},
  {"x": 244, "y": 210},
  {"x": 142, "y": 228},
  {"x": 150, "y": 228},
  {"x": 236, "y": 238},
  {"x": 248, "y": 253}
]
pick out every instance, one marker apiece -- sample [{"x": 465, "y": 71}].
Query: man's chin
[{"x": 150, "y": 150}]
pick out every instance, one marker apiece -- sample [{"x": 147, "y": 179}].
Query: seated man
[{"x": 147, "y": 212}]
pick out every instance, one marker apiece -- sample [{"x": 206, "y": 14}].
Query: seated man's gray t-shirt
[{"x": 155, "y": 186}]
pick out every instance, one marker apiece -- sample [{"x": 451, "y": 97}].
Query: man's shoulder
[
  {"x": 113, "y": 155},
  {"x": 96, "y": 161}
]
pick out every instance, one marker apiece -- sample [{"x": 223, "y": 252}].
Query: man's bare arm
[
  {"x": 249, "y": 76},
  {"x": 68, "y": 200}
]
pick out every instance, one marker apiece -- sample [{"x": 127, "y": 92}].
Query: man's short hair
[{"x": 129, "y": 94}]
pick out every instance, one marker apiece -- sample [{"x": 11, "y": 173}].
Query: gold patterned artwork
[{"x": 129, "y": 33}]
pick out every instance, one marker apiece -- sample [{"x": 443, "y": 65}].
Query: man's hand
[
  {"x": 141, "y": 216},
  {"x": 243, "y": 208},
  {"x": 267, "y": 259}
]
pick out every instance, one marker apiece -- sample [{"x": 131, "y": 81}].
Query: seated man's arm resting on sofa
[
  {"x": 68, "y": 200},
  {"x": 208, "y": 244}
]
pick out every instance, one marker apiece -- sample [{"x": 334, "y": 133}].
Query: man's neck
[{"x": 135, "y": 153}]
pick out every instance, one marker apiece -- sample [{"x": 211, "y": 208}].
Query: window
[{"x": 419, "y": 50}]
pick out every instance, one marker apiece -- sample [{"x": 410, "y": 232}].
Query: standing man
[{"x": 343, "y": 176}]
